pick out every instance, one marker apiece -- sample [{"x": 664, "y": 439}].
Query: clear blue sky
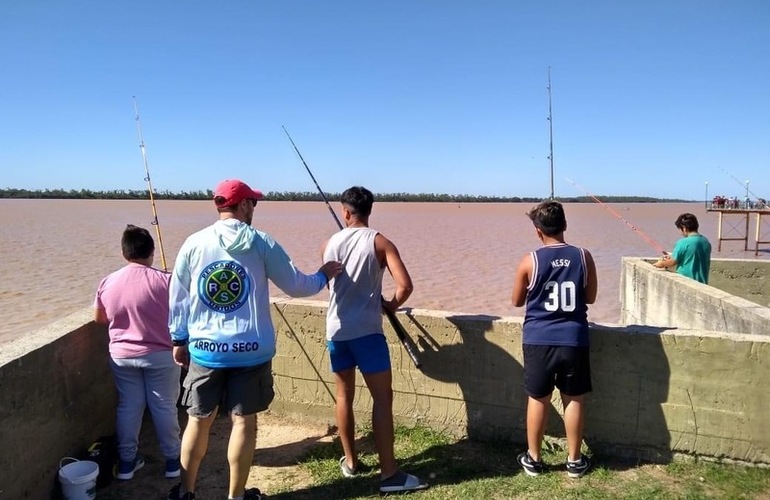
[{"x": 650, "y": 98}]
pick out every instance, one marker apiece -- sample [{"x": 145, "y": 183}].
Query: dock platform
[{"x": 744, "y": 215}]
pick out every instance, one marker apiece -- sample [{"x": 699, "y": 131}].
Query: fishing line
[
  {"x": 401, "y": 332},
  {"x": 638, "y": 231},
  {"x": 149, "y": 186},
  {"x": 302, "y": 348},
  {"x": 744, "y": 185}
]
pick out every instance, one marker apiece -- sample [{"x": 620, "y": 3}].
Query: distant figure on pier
[{"x": 692, "y": 253}]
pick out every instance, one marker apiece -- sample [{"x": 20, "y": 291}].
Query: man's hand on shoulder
[{"x": 331, "y": 269}]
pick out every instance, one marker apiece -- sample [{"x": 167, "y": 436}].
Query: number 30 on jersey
[{"x": 561, "y": 296}]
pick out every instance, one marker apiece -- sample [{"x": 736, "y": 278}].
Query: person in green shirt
[{"x": 692, "y": 253}]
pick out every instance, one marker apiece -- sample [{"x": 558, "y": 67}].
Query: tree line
[{"x": 142, "y": 194}]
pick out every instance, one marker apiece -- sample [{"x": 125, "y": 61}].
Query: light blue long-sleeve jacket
[{"x": 219, "y": 298}]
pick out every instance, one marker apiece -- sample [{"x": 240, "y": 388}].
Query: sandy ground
[{"x": 280, "y": 441}]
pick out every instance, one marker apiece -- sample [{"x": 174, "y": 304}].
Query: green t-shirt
[{"x": 693, "y": 257}]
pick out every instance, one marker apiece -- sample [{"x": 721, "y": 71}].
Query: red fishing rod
[
  {"x": 401, "y": 332},
  {"x": 638, "y": 231}
]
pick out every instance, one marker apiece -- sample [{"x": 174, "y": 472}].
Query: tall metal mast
[{"x": 550, "y": 129}]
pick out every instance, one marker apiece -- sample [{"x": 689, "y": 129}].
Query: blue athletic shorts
[{"x": 370, "y": 354}]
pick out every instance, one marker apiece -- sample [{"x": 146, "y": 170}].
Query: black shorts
[
  {"x": 240, "y": 391},
  {"x": 546, "y": 366}
]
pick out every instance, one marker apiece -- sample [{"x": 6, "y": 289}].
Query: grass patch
[{"x": 461, "y": 469}]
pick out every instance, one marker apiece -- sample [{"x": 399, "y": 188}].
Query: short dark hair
[
  {"x": 136, "y": 243},
  {"x": 548, "y": 217},
  {"x": 359, "y": 200},
  {"x": 687, "y": 221}
]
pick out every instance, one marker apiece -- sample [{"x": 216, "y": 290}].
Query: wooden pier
[{"x": 742, "y": 213}]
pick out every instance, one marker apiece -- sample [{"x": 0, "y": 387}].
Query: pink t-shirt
[{"x": 135, "y": 300}]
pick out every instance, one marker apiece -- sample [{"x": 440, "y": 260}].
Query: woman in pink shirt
[{"x": 133, "y": 302}]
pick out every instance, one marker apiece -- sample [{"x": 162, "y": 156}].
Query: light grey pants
[{"x": 150, "y": 381}]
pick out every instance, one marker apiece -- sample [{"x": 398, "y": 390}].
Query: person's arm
[
  {"x": 391, "y": 259},
  {"x": 592, "y": 281},
  {"x": 281, "y": 270},
  {"x": 670, "y": 260},
  {"x": 100, "y": 313},
  {"x": 100, "y": 316},
  {"x": 179, "y": 299},
  {"x": 665, "y": 262},
  {"x": 521, "y": 281},
  {"x": 181, "y": 355}
]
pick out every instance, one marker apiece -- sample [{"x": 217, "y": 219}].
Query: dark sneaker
[
  {"x": 126, "y": 469},
  {"x": 401, "y": 481},
  {"x": 346, "y": 470},
  {"x": 173, "y": 494},
  {"x": 531, "y": 467},
  {"x": 577, "y": 469},
  {"x": 172, "y": 468},
  {"x": 252, "y": 494}
]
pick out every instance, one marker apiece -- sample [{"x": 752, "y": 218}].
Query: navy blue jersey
[{"x": 556, "y": 298}]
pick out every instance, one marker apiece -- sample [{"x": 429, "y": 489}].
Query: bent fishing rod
[
  {"x": 401, "y": 332},
  {"x": 638, "y": 231},
  {"x": 149, "y": 186}
]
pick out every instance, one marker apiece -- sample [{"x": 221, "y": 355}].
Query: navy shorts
[
  {"x": 370, "y": 354},
  {"x": 240, "y": 391},
  {"x": 567, "y": 368}
]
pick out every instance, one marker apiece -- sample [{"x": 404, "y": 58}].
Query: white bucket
[{"x": 78, "y": 479}]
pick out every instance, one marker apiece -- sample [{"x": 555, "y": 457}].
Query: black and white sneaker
[
  {"x": 578, "y": 469},
  {"x": 531, "y": 467}
]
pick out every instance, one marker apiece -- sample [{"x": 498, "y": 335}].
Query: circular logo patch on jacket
[{"x": 224, "y": 286}]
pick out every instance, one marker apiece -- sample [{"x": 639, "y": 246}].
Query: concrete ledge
[
  {"x": 745, "y": 278},
  {"x": 650, "y": 296},
  {"x": 57, "y": 398},
  {"x": 657, "y": 392}
]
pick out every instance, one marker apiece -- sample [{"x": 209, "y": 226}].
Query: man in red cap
[
  {"x": 221, "y": 329},
  {"x": 232, "y": 191}
]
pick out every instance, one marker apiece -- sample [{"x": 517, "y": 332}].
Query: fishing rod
[
  {"x": 401, "y": 332},
  {"x": 149, "y": 187},
  {"x": 326, "y": 200},
  {"x": 550, "y": 129},
  {"x": 646, "y": 238}
]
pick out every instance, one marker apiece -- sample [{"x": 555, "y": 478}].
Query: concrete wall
[
  {"x": 656, "y": 392},
  {"x": 653, "y": 297},
  {"x": 746, "y": 278},
  {"x": 57, "y": 398}
]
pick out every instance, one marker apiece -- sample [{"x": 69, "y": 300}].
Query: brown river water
[{"x": 461, "y": 256}]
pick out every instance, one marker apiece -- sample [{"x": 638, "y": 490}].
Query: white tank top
[{"x": 355, "y": 306}]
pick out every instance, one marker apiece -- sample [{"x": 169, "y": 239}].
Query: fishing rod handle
[{"x": 402, "y": 335}]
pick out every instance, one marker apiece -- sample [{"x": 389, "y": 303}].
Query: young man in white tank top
[{"x": 355, "y": 336}]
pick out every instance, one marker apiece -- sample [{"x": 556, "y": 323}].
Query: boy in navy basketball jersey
[{"x": 556, "y": 282}]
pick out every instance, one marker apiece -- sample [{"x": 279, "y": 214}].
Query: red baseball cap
[{"x": 233, "y": 192}]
